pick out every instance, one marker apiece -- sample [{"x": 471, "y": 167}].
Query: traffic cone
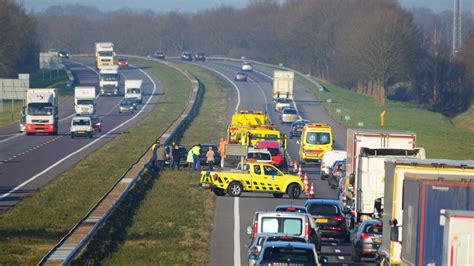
[
  {"x": 299, "y": 172},
  {"x": 295, "y": 167},
  {"x": 306, "y": 184},
  {"x": 311, "y": 192}
]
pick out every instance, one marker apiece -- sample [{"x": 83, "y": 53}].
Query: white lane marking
[
  {"x": 332, "y": 243},
  {"x": 337, "y": 250},
  {"x": 340, "y": 257},
  {"x": 236, "y": 232},
  {"x": 84, "y": 147}
]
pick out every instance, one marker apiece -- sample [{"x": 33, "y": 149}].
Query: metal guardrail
[{"x": 82, "y": 233}]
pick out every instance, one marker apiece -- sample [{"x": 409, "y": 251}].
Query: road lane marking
[
  {"x": 337, "y": 250},
  {"x": 84, "y": 147},
  {"x": 340, "y": 257}
]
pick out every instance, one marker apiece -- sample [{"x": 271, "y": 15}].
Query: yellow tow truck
[{"x": 252, "y": 177}]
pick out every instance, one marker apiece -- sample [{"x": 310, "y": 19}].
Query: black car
[
  {"x": 330, "y": 217},
  {"x": 297, "y": 128},
  {"x": 199, "y": 56},
  {"x": 183, "y": 153},
  {"x": 241, "y": 76},
  {"x": 63, "y": 54},
  {"x": 336, "y": 172},
  {"x": 367, "y": 240},
  {"x": 205, "y": 149},
  {"x": 186, "y": 56},
  {"x": 160, "y": 55}
]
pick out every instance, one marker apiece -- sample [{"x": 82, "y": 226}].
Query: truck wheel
[
  {"x": 355, "y": 256},
  {"x": 234, "y": 189},
  {"x": 294, "y": 191},
  {"x": 278, "y": 195},
  {"x": 219, "y": 192}
]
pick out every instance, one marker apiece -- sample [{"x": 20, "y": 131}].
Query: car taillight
[
  {"x": 338, "y": 218},
  {"x": 306, "y": 231},
  {"x": 323, "y": 165},
  {"x": 255, "y": 229},
  {"x": 364, "y": 235},
  {"x": 335, "y": 173}
]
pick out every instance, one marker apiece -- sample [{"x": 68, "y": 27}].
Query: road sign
[
  {"x": 329, "y": 100},
  {"x": 347, "y": 118},
  {"x": 338, "y": 110},
  {"x": 50, "y": 61},
  {"x": 360, "y": 124}
]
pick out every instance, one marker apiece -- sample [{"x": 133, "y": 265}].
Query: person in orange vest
[{"x": 221, "y": 150}]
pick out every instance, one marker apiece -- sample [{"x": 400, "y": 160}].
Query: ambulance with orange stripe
[{"x": 315, "y": 140}]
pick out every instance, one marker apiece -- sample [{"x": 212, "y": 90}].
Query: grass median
[
  {"x": 36, "y": 224},
  {"x": 173, "y": 223}
]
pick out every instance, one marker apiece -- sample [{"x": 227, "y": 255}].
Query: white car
[
  {"x": 81, "y": 126},
  {"x": 247, "y": 67},
  {"x": 328, "y": 160},
  {"x": 288, "y": 115},
  {"x": 259, "y": 155},
  {"x": 281, "y": 103}
]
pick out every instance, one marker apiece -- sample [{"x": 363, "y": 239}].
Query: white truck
[
  {"x": 458, "y": 237},
  {"x": 41, "y": 111},
  {"x": 104, "y": 54},
  {"x": 109, "y": 80},
  {"x": 133, "y": 90},
  {"x": 84, "y": 100},
  {"x": 430, "y": 185},
  {"x": 283, "y": 84}
]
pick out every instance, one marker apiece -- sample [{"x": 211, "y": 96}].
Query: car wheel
[
  {"x": 91, "y": 136},
  {"x": 234, "y": 189},
  {"x": 278, "y": 195},
  {"x": 219, "y": 192},
  {"x": 72, "y": 136},
  {"x": 355, "y": 256},
  {"x": 294, "y": 191}
]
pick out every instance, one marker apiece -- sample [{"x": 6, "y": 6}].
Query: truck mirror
[
  {"x": 378, "y": 205},
  {"x": 249, "y": 230},
  {"x": 394, "y": 233},
  {"x": 351, "y": 179}
]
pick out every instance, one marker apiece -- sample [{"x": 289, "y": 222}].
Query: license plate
[
  {"x": 378, "y": 240},
  {"x": 319, "y": 220},
  {"x": 82, "y": 132}
]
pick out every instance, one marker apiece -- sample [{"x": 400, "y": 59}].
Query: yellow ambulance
[{"x": 315, "y": 140}]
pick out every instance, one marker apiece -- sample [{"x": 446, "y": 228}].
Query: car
[
  {"x": 81, "y": 126},
  {"x": 183, "y": 153},
  {"x": 367, "y": 239},
  {"x": 122, "y": 62},
  {"x": 241, "y": 76},
  {"x": 329, "y": 158},
  {"x": 280, "y": 103},
  {"x": 275, "y": 149},
  {"x": 186, "y": 56},
  {"x": 288, "y": 223},
  {"x": 337, "y": 171},
  {"x": 288, "y": 115},
  {"x": 246, "y": 66},
  {"x": 96, "y": 123},
  {"x": 199, "y": 56},
  {"x": 330, "y": 215},
  {"x": 297, "y": 127},
  {"x": 291, "y": 208},
  {"x": 126, "y": 105},
  {"x": 258, "y": 155},
  {"x": 53, "y": 51},
  {"x": 257, "y": 243},
  {"x": 289, "y": 253},
  {"x": 22, "y": 124},
  {"x": 63, "y": 54},
  {"x": 252, "y": 177},
  {"x": 160, "y": 55}
]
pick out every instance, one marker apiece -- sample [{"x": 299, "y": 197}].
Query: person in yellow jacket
[{"x": 196, "y": 157}]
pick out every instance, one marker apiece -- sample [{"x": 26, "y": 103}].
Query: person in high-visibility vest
[{"x": 196, "y": 157}]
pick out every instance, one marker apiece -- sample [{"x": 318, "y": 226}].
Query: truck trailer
[
  {"x": 458, "y": 237},
  {"x": 283, "y": 84},
  {"x": 104, "y": 54},
  {"x": 133, "y": 90},
  {"x": 41, "y": 111},
  {"x": 84, "y": 100},
  {"x": 415, "y": 192}
]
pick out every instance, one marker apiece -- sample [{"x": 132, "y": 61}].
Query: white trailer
[
  {"x": 133, "y": 90},
  {"x": 458, "y": 237},
  {"x": 283, "y": 84},
  {"x": 84, "y": 100},
  {"x": 109, "y": 80}
]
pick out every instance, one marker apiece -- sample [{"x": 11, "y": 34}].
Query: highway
[
  {"x": 29, "y": 162},
  {"x": 233, "y": 215}
]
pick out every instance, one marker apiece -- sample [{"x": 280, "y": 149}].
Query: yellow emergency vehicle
[{"x": 315, "y": 140}]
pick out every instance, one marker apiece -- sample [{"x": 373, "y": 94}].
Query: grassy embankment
[
  {"x": 172, "y": 225},
  {"x": 465, "y": 120},
  {"x": 31, "y": 228},
  {"x": 36, "y": 81}
]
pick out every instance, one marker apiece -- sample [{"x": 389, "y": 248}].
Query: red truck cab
[{"x": 278, "y": 156}]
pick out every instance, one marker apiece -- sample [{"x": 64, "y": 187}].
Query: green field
[
  {"x": 173, "y": 223},
  {"x": 37, "y": 223},
  {"x": 465, "y": 120}
]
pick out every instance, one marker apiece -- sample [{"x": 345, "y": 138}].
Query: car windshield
[
  {"x": 290, "y": 111},
  {"x": 273, "y": 151},
  {"x": 319, "y": 138},
  {"x": 270, "y": 170},
  {"x": 373, "y": 229},
  {"x": 290, "y": 226},
  {"x": 289, "y": 255},
  {"x": 124, "y": 103},
  {"x": 81, "y": 122},
  {"x": 85, "y": 102},
  {"x": 322, "y": 209},
  {"x": 123, "y": 60},
  {"x": 283, "y": 100},
  {"x": 299, "y": 125},
  {"x": 109, "y": 77},
  {"x": 106, "y": 53},
  {"x": 40, "y": 109},
  {"x": 133, "y": 91},
  {"x": 259, "y": 156}
]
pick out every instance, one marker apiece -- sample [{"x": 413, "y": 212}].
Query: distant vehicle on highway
[
  {"x": 63, "y": 54},
  {"x": 288, "y": 115},
  {"x": 241, "y": 76},
  {"x": 122, "y": 62},
  {"x": 127, "y": 105},
  {"x": 330, "y": 217},
  {"x": 297, "y": 127},
  {"x": 367, "y": 240},
  {"x": 289, "y": 253},
  {"x": 281, "y": 103},
  {"x": 336, "y": 172},
  {"x": 22, "y": 124},
  {"x": 200, "y": 56},
  {"x": 81, "y": 126},
  {"x": 316, "y": 139},
  {"x": 291, "y": 208},
  {"x": 186, "y": 56},
  {"x": 247, "y": 67},
  {"x": 160, "y": 55},
  {"x": 96, "y": 123},
  {"x": 329, "y": 158}
]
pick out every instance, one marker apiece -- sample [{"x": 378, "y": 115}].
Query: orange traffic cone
[
  {"x": 295, "y": 167},
  {"x": 311, "y": 192},
  {"x": 306, "y": 184},
  {"x": 299, "y": 172}
]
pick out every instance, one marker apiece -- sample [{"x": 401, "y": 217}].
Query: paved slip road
[
  {"x": 233, "y": 215},
  {"x": 29, "y": 162}
]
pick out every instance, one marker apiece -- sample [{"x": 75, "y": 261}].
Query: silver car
[
  {"x": 367, "y": 239},
  {"x": 289, "y": 115}
]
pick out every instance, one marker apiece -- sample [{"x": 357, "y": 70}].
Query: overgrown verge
[
  {"x": 36, "y": 224},
  {"x": 172, "y": 224}
]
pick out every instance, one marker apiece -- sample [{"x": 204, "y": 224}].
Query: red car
[
  {"x": 275, "y": 150},
  {"x": 123, "y": 62}
]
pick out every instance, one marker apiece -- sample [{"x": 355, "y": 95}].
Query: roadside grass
[
  {"x": 440, "y": 138},
  {"x": 465, "y": 120},
  {"x": 58, "y": 80},
  {"x": 172, "y": 226},
  {"x": 37, "y": 223}
]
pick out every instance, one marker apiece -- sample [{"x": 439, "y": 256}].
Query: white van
[{"x": 329, "y": 158}]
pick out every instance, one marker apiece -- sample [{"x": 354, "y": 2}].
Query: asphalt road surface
[
  {"x": 29, "y": 162},
  {"x": 233, "y": 215}
]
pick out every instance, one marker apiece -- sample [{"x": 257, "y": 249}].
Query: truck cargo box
[
  {"x": 458, "y": 237},
  {"x": 283, "y": 84}
]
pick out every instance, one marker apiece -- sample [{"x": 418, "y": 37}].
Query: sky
[{"x": 160, "y": 6}]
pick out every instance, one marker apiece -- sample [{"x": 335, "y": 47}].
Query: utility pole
[{"x": 457, "y": 26}]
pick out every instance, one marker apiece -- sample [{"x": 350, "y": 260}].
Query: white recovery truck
[
  {"x": 109, "y": 80},
  {"x": 104, "y": 54},
  {"x": 41, "y": 111},
  {"x": 283, "y": 84},
  {"x": 84, "y": 100},
  {"x": 133, "y": 90}
]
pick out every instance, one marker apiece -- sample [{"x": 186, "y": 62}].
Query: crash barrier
[{"x": 83, "y": 232}]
